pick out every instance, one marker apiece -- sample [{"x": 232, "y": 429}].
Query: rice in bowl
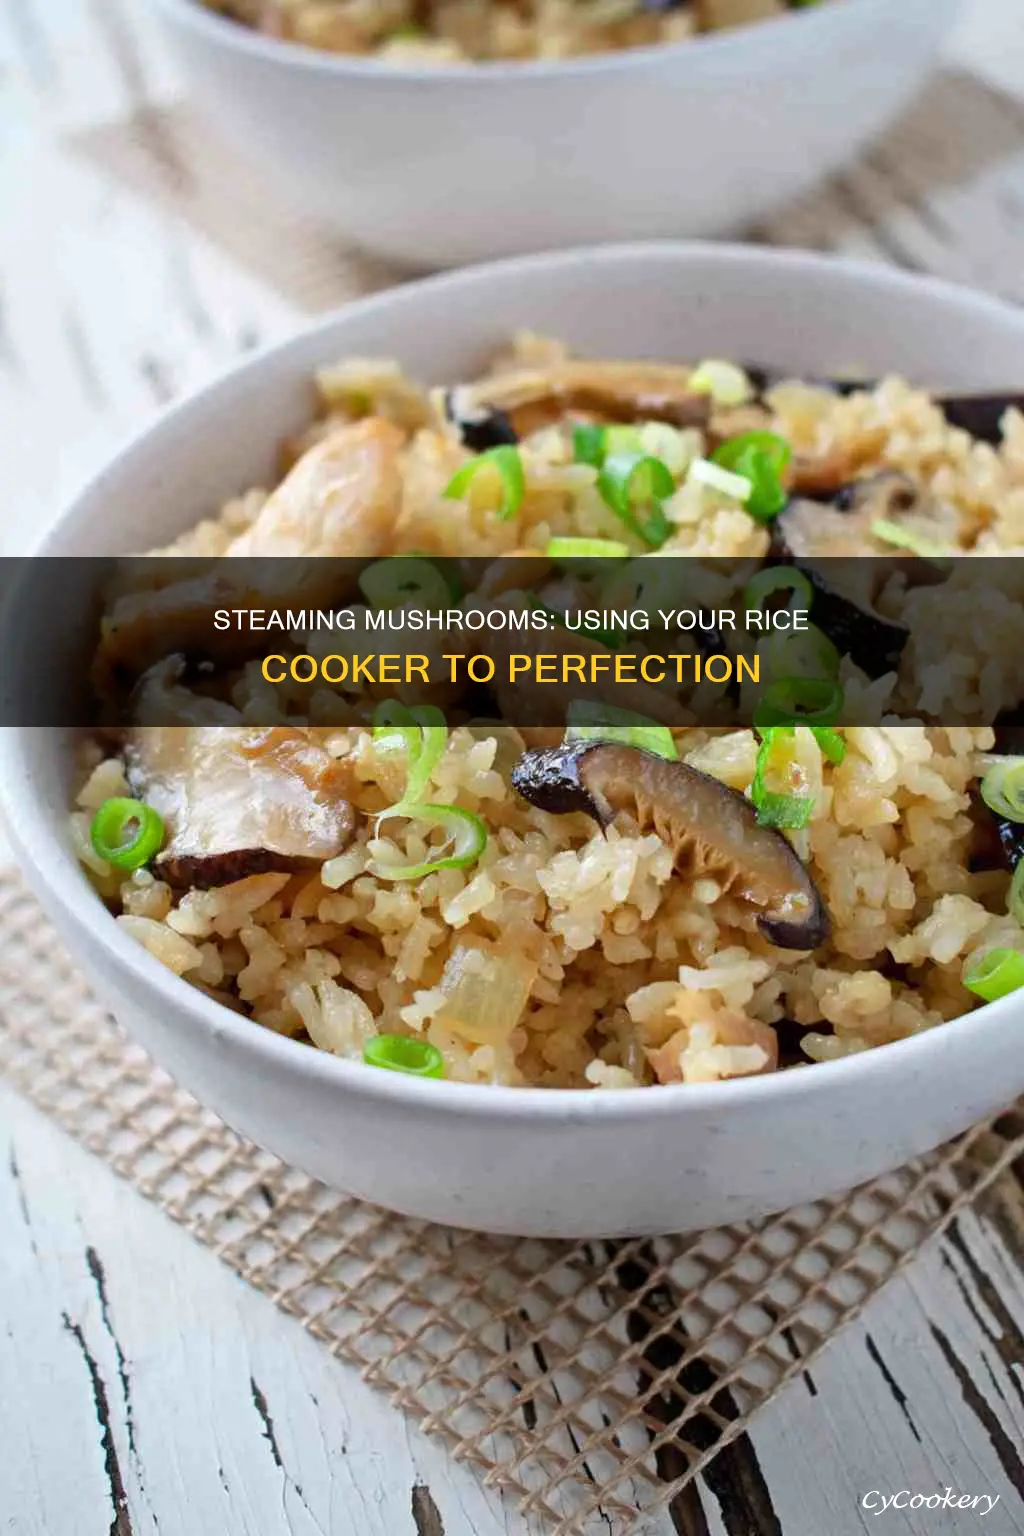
[
  {"x": 417, "y": 32},
  {"x": 563, "y": 953}
]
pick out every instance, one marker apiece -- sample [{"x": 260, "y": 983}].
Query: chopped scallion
[
  {"x": 404, "y": 1053},
  {"x": 127, "y": 833},
  {"x": 404, "y": 579},
  {"x": 1002, "y": 788},
  {"x": 905, "y": 538},
  {"x": 586, "y": 549},
  {"x": 589, "y": 445},
  {"x": 506, "y": 460},
  {"x": 590, "y": 721},
  {"x": 801, "y": 653},
  {"x": 465, "y": 840},
  {"x": 778, "y": 578},
  {"x": 800, "y": 701},
  {"x": 830, "y": 742},
  {"x": 782, "y": 809},
  {"x": 1015, "y": 902},
  {"x": 634, "y": 485},
  {"x": 994, "y": 974},
  {"x": 761, "y": 458},
  {"x": 707, "y": 472},
  {"x": 423, "y": 733}
]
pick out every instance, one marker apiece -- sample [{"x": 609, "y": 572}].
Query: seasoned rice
[{"x": 629, "y": 974}]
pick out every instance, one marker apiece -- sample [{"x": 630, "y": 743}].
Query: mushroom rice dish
[
  {"x": 590, "y": 907},
  {"x": 415, "y": 32}
]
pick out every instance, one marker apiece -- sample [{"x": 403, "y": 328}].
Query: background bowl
[
  {"x": 556, "y": 1163},
  {"x": 432, "y": 167}
]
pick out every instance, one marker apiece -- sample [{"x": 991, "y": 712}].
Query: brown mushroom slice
[
  {"x": 849, "y": 565},
  {"x": 628, "y": 391},
  {"x": 711, "y": 829},
  {"x": 239, "y": 801}
]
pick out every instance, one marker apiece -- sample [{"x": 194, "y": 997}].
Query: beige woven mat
[{"x": 580, "y": 1375}]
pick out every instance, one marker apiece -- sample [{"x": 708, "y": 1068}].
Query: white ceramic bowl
[
  {"x": 524, "y": 1160},
  {"x": 431, "y": 167}
]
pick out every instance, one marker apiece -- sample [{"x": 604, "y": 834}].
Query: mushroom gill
[{"x": 711, "y": 829}]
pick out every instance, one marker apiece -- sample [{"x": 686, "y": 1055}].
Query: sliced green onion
[
  {"x": 778, "y": 578},
  {"x": 1002, "y": 788},
  {"x": 724, "y": 382},
  {"x": 403, "y": 1053},
  {"x": 127, "y": 833},
  {"x": 446, "y": 565},
  {"x": 707, "y": 472},
  {"x": 402, "y": 579},
  {"x": 590, "y": 721},
  {"x": 620, "y": 439},
  {"x": 612, "y": 638},
  {"x": 800, "y": 701},
  {"x": 1015, "y": 901},
  {"x": 994, "y": 974},
  {"x": 801, "y": 653},
  {"x": 509, "y": 465},
  {"x": 589, "y": 445},
  {"x": 634, "y": 485},
  {"x": 672, "y": 445},
  {"x": 775, "y": 808},
  {"x": 423, "y": 732},
  {"x": 830, "y": 742},
  {"x": 586, "y": 549},
  {"x": 466, "y": 837},
  {"x": 761, "y": 458},
  {"x": 904, "y": 538}
]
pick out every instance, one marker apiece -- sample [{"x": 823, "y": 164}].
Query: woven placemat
[{"x": 594, "y": 1379}]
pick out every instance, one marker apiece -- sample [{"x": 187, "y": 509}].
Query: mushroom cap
[{"x": 711, "y": 829}]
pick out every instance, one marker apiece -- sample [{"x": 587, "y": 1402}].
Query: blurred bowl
[
  {"x": 553, "y": 1162},
  {"x": 436, "y": 166}
]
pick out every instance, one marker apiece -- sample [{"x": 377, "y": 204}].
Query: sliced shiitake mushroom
[
  {"x": 829, "y": 542},
  {"x": 711, "y": 829},
  {"x": 240, "y": 802},
  {"x": 480, "y": 426},
  {"x": 528, "y": 399},
  {"x": 980, "y": 415}
]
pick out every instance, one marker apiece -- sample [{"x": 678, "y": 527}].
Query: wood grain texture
[{"x": 146, "y": 1389}]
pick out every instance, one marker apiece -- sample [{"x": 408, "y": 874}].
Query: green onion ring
[
  {"x": 762, "y": 458},
  {"x": 590, "y": 721},
  {"x": 800, "y": 701},
  {"x": 467, "y": 835},
  {"x": 630, "y": 481},
  {"x": 507, "y": 461},
  {"x": 1002, "y": 788},
  {"x": 586, "y": 549},
  {"x": 589, "y": 445},
  {"x": 403, "y": 1053},
  {"x": 127, "y": 833},
  {"x": 1015, "y": 901},
  {"x": 402, "y": 579},
  {"x": 778, "y": 578},
  {"x": 801, "y": 653},
  {"x": 994, "y": 974}
]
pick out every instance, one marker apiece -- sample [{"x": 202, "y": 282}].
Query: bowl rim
[
  {"x": 32, "y": 832},
  {"x": 774, "y": 31}
]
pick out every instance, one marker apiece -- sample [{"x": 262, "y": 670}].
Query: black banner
[{"x": 527, "y": 640}]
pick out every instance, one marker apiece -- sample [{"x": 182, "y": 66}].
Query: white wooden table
[{"x": 143, "y": 1388}]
